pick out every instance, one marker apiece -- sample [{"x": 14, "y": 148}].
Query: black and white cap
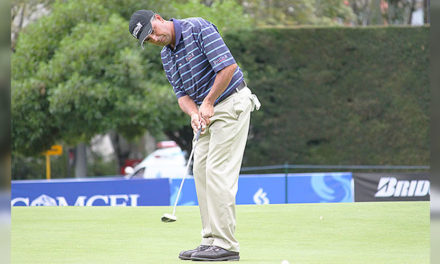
[{"x": 140, "y": 25}]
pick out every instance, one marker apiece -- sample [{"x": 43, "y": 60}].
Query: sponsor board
[
  {"x": 82, "y": 200},
  {"x": 90, "y": 192},
  {"x": 252, "y": 189},
  {"x": 370, "y": 187},
  {"x": 188, "y": 194},
  {"x": 271, "y": 189},
  {"x": 261, "y": 189}
]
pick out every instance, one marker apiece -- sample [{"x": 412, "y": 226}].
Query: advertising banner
[
  {"x": 261, "y": 189},
  {"x": 91, "y": 192},
  {"x": 335, "y": 187},
  {"x": 370, "y": 187},
  {"x": 188, "y": 196},
  {"x": 252, "y": 189},
  {"x": 271, "y": 189}
]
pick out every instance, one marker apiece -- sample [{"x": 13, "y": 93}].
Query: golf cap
[{"x": 140, "y": 25}]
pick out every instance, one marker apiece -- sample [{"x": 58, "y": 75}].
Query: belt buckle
[{"x": 240, "y": 86}]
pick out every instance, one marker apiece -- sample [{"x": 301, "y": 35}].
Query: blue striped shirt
[{"x": 199, "y": 54}]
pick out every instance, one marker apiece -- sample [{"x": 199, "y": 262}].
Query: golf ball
[
  {"x": 285, "y": 262},
  {"x": 320, "y": 218}
]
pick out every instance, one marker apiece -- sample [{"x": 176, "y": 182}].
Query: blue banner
[
  {"x": 252, "y": 189},
  {"x": 261, "y": 189},
  {"x": 271, "y": 188},
  {"x": 91, "y": 192},
  {"x": 188, "y": 195}
]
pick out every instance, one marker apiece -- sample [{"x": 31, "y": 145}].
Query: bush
[{"x": 337, "y": 95}]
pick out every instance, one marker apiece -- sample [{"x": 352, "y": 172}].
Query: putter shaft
[{"x": 196, "y": 138}]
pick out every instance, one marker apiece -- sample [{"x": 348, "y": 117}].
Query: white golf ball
[
  {"x": 285, "y": 262},
  {"x": 320, "y": 218}
]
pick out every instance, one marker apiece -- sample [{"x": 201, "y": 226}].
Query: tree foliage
[
  {"x": 385, "y": 12},
  {"x": 301, "y": 12},
  {"x": 78, "y": 72},
  {"x": 216, "y": 12},
  {"x": 24, "y": 12},
  {"x": 362, "y": 98}
]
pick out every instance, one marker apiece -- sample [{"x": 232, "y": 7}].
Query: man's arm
[
  {"x": 190, "y": 108},
  {"x": 221, "y": 82},
  {"x": 201, "y": 116}
]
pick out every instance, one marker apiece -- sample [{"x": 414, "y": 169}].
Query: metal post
[{"x": 47, "y": 166}]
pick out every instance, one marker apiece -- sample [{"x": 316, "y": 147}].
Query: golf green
[{"x": 390, "y": 232}]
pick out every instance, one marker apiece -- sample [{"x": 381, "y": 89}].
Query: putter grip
[{"x": 198, "y": 134}]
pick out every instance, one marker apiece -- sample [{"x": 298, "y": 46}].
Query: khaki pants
[{"x": 217, "y": 160}]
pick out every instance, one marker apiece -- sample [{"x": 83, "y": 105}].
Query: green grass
[{"x": 388, "y": 233}]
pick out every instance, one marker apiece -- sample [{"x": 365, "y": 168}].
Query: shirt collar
[{"x": 177, "y": 31}]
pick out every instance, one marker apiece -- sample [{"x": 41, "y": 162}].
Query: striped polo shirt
[{"x": 199, "y": 54}]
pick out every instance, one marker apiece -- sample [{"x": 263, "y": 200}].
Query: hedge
[{"x": 337, "y": 95}]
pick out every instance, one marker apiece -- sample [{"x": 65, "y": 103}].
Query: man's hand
[
  {"x": 206, "y": 111},
  {"x": 195, "y": 122}
]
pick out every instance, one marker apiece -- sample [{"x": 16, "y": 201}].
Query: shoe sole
[
  {"x": 184, "y": 258},
  {"x": 229, "y": 258}
]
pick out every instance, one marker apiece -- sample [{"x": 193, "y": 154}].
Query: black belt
[
  {"x": 236, "y": 90},
  {"x": 240, "y": 86}
]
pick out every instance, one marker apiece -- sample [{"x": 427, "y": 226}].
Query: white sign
[
  {"x": 260, "y": 197},
  {"x": 390, "y": 186},
  {"x": 111, "y": 200}
]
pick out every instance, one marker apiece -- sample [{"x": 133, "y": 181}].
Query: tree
[
  {"x": 226, "y": 14},
  {"x": 78, "y": 73},
  {"x": 5, "y": 128},
  {"x": 294, "y": 13},
  {"x": 386, "y": 12},
  {"x": 24, "y": 12}
]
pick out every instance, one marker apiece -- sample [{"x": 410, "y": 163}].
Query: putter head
[{"x": 168, "y": 218}]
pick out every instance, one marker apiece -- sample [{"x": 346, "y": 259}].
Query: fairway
[{"x": 390, "y": 232}]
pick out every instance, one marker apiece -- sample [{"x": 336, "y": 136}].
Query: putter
[{"x": 168, "y": 218}]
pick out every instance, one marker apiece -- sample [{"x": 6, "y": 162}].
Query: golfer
[{"x": 210, "y": 88}]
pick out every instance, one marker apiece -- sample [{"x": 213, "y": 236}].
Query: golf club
[{"x": 167, "y": 218}]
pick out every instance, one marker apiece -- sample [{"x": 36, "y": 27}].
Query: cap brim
[{"x": 144, "y": 34}]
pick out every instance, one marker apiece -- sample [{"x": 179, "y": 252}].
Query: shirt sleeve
[{"x": 215, "y": 48}]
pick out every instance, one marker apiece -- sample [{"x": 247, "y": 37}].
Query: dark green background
[{"x": 337, "y": 95}]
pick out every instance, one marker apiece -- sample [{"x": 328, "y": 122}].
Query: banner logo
[
  {"x": 260, "y": 197},
  {"x": 44, "y": 200},
  {"x": 391, "y": 187},
  {"x": 332, "y": 188}
]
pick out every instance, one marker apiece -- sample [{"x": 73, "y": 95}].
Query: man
[{"x": 210, "y": 88}]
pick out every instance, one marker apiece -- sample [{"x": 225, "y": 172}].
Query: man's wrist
[{"x": 208, "y": 100}]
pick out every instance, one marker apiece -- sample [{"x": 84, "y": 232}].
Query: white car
[{"x": 167, "y": 162}]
